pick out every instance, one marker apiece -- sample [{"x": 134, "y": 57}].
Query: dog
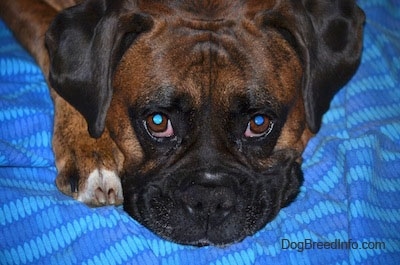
[{"x": 192, "y": 113}]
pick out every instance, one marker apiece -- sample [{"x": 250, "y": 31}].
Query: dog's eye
[
  {"x": 258, "y": 126},
  {"x": 159, "y": 125}
]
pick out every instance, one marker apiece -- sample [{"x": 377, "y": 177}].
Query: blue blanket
[{"x": 348, "y": 211}]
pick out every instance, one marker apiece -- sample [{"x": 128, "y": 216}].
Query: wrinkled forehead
[{"x": 219, "y": 60}]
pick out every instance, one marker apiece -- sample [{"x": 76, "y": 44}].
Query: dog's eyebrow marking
[
  {"x": 162, "y": 94},
  {"x": 168, "y": 97},
  {"x": 253, "y": 100},
  {"x": 159, "y": 97}
]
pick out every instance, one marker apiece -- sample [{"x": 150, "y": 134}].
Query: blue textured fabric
[{"x": 349, "y": 206}]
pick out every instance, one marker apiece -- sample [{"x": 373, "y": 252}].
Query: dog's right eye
[{"x": 159, "y": 125}]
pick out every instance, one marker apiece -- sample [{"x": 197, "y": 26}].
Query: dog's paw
[
  {"x": 102, "y": 187},
  {"x": 95, "y": 187},
  {"x": 89, "y": 171}
]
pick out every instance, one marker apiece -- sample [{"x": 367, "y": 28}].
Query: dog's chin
[{"x": 218, "y": 214}]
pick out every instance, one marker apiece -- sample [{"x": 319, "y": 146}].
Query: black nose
[{"x": 208, "y": 205}]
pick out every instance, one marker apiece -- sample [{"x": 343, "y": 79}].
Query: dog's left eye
[
  {"x": 259, "y": 125},
  {"x": 159, "y": 125}
]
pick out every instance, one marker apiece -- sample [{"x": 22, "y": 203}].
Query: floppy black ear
[
  {"x": 327, "y": 35},
  {"x": 330, "y": 41},
  {"x": 85, "y": 44}
]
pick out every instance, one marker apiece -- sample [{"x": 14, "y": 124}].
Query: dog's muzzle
[{"x": 216, "y": 207}]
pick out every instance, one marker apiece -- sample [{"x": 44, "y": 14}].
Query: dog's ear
[
  {"x": 85, "y": 44},
  {"x": 331, "y": 45},
  {"x": 327, "y": 34}
]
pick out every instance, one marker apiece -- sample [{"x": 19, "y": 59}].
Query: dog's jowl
[{"x": 195, "y": 114}]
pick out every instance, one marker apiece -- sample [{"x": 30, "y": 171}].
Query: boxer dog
[{"x": 201, "y": 108}]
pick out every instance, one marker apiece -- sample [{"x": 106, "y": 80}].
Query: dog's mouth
[{"x": 218, "y": 209}]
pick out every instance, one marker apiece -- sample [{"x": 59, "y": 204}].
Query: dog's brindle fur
[{"x": 209, "y": 67}]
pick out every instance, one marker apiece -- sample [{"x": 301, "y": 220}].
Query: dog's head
[{"x": 211, "y": 102}]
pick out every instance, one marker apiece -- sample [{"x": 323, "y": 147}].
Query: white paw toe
[{"x": 102, "y": 187}]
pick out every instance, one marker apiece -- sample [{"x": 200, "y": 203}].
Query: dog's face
[
  {"x": 219, "y": 119},
  {"x": 212, "y": 103}
]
